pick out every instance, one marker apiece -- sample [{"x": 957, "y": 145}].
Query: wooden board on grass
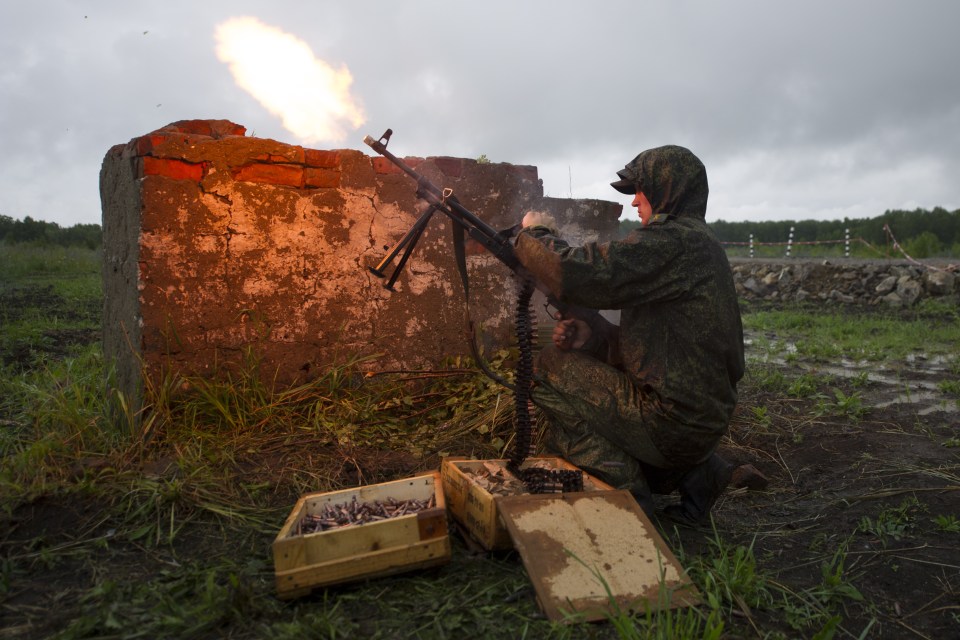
[{"x": 590, "y": 554}]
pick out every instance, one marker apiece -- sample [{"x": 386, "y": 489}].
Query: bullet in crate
[{"x": 377, "y": 530}]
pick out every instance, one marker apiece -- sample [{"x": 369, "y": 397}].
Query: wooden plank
[
  {"x": 384, "y": 562},
  {"x": 289, "y": 552},
  {"x": 355, "y": 540},
  {"x": 585, "y": 551},
  {"x": 416, "y": 488}
]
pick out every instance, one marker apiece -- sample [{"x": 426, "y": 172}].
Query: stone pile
[{"x": 888, "y": 283}]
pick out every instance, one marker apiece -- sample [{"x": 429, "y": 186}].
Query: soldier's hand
[{"x": 570, "y": 333}]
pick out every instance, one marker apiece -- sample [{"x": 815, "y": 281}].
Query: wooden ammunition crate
[
  {"x": 303, "y": 562},
  {"x": 475, "y": 509}
]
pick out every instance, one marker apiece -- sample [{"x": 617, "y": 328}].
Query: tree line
[
  {"x": 930, "y": 232},
  {"x": 40, "y": 233}
]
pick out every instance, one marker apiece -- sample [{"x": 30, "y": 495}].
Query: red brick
[
  {"x": 209, "y": 128},
  {"x": 322, "y": 159},
  {"x": 176, "y": 169},
  {"x": 321, "y": 178},
  {"x": 384, "y": 166},
  {"x": 452, "y": 167},
  {"x": 146, "y": 144},
  {"x": 275, "y": 158},
  {"x": 286, "y": 175}
]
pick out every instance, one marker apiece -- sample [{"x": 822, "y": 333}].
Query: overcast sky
[{"x": 800, "y": 110}]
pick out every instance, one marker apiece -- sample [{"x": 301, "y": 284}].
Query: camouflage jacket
[{"x": 680, "y": 334}]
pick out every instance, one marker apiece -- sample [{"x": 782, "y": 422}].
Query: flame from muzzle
[{"x": 311, "y": 98}]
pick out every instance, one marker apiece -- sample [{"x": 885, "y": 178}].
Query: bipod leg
[{"x": 409, "y": 241}]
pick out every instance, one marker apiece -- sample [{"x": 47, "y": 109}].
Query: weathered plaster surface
[{"x": 217, "y": 244}]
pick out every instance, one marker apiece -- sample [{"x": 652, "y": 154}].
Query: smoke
[{"x": 311, "y": 98}]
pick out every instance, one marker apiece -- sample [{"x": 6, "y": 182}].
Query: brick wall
[{"x": 217, "y": 244}]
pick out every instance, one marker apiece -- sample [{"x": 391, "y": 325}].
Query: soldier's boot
[
  {"x": 644, "y": 498},
  {"x": 699, "y": 490}
]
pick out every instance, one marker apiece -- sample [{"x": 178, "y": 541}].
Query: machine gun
[{"x": 466, "y": 223}]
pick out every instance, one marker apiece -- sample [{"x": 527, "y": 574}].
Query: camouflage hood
[{"x": 673, "y": 179}]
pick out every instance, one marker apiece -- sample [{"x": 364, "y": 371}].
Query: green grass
[
  {"x": 891, "y": 524},
  {"x": 49, "y": 298},
  {"x": 826, "y": 337},
  {"x": 174, "y": 513},
  {"x": 33, "y": 263}
]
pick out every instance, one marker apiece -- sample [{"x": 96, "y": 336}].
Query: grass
[
  {"x": 828, "y": 337},
  {"x": 49, "y": 296},
  {"x": 116, "y": 528},
  {"x": 57, "y": 264}
]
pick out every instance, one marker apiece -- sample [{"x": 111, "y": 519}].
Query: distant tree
[
  {"x": 943, "y": 225},
  {"x": 925, "y": 245},
  {"x": 42, "y": 233},
  {"x": 6, "y": 224}
]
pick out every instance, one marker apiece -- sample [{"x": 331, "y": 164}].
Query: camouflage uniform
[{"x": 640, "y": 405}]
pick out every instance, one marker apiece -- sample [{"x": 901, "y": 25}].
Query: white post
[
  {"x": 789, "y": 242},
  {"x": 751, "y": 245},
  {"x": 846, "y": 243}
]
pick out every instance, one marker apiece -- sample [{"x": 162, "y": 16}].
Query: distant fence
[
  {"x": 846, "y": 241},
  {"x": 789, "y": 244}
]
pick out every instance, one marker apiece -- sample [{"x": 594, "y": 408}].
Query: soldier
[{"x": 643, "y": 405}]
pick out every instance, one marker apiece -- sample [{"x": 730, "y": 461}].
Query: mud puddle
[{"x": 913, "y": 381}]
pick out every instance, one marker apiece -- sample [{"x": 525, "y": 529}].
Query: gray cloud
[{"x": 803, "y": 110}]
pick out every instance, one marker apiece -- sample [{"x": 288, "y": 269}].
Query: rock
[
  {"x": 939, "y": 283},
  {"x": 905, "y": 271},
  {"x": 893, "y": 299},
  {"x": 784, "y": 280},
  {"x": 754, "y": 287},
  {"x": 909, "y": 290},
  {"x": 842, "y": 297},
  {"x": 845, "y": 283},
  {"x": 886, "y": 285}
]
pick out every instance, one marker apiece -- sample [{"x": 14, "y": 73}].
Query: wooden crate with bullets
[
  {"x": 376, "y": 530},
  {"x": 473, "y": 489}
]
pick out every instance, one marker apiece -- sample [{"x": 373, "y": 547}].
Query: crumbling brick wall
[{"x": 217, "y": 244}]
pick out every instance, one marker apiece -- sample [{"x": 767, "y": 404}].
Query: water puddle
[{"x": 911, "y": 381}]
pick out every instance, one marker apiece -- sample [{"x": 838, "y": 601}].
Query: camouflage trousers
[{"x": 599, "y": 421}]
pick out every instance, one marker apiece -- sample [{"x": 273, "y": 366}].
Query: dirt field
[
  {"x": 858, "y": 498},
  {"x": 860, "y": 519}
]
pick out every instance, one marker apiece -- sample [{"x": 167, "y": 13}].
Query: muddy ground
[
  {"x": 871, "y": 489},
  {"x": 866, "y": 499}
]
